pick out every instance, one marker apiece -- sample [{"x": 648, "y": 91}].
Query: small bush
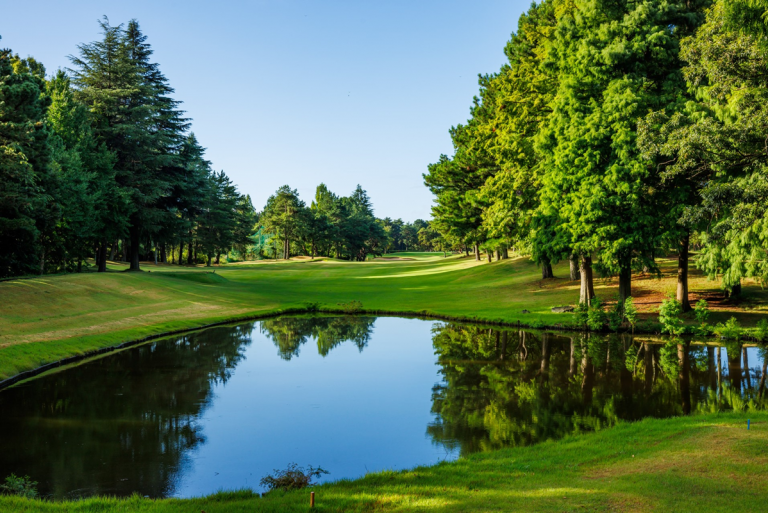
[
  {"x": 669, "y": 317},
  {"x": 21, "y": 486},
  {"x": 581, "y": 314},
  {"x": 615, "y": 317},
  {"x": 292, "y": 478},
  {"x": 351, "y": 307},
  {"x": 761, "y": 333},
  {"x": 596, "y": 318},
  {"x": 731, "y": 330},
  {"x": 701, "y": 311},
  {"x": 630, "y": 313}
]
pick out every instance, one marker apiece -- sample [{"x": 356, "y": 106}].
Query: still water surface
[{"x": 221, "y": 408}]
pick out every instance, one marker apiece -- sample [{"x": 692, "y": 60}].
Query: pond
[{"x": 223, "y": 407}]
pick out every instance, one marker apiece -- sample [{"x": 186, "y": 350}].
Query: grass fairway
[
  {"x": 49, "y": 318},
  {"x": 703, "y": 463}
]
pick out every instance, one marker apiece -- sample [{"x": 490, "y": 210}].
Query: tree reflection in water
[
  {"x": 514, "y": 387},
  {"x": 290, "y": 333},
  {"x": 121, "y": 423},
  {"x": 132, "y": 421}
]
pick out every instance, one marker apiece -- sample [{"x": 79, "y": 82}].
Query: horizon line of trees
[
  {"x": 343, "y": 227},
  {"x": 99, "y": 160},
  {"x": 618, "y": 132}
]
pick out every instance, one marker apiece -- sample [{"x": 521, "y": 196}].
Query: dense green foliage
[
  {"x": 100, "y": 160},
  {"x": 616, "y": 133},
  {"x": 336, "y": 226}
]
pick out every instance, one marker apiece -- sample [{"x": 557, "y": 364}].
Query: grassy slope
[
  {"x": 45, "y": 319},
  {"x": 706, "y": 463}
]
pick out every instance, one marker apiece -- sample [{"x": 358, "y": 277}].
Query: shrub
[
  {"x": 580, "y": 314},
  {"x": 630, "y": 313},
  {"x": 21, "y": 486},
  {"x": 351, "y": 307},
  {"x": 292, "y": 478},
  {"x": 731, "y": 330},
  {"x": 615, "y": 317},
  {"x": 596, "y": 318},
  {"x": 761, "y": 333},
  {"x": 701, "y": 311},
  {"x": 669, "y": 317}
]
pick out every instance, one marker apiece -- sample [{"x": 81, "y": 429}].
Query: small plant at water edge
[
  {"x": 596, "y": 318},
  {"x": 351, "y": 307},
  {"x": 701, "y": 311},
  {"x": 21, "y": 486},
  {"x": 761, "y": 333},
  {"x": 669, "y": 317},
  {"x": 292, "y": 478},
  {"x": 731, "y": 330}
]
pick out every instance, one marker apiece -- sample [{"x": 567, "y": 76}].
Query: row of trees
[
  {"x": 334, "y": 226},
  {"x": 99, "y": 160},
  {"x": 619, "y": 131}
]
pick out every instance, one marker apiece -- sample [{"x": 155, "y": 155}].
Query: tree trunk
[
  {"x": 505, "y": 253},
  {"x": 124, "y": 257},
  {"x": 189, "y": 250},
  {"x": 625, "y": 282},
  {"x": 682, "y": 273},
  {"x": 497, "y": 255},
  {"x": 134, "y": 233},
  {"x": 477, "y": 252},
  {"x": 218, "y": 258},
  {"x": 587, "y": 291},
  {"x": 181, "y": 252},
  {"x": 574, "y": 264},
  {"x": 546, "y": 270},
  {"x": 287, "y": 249},
  {"x": 163, "y": 254},
  {"x": 113, "y": 251},
  {"x": 103, "y": 257},
  {"x": 466, "y": 250},
  {"x": 210, "y": 258},
  {"x": 490, "y": 257},
  {"x": 735, "y": 290}
]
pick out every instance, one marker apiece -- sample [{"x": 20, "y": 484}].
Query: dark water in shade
[{"x": 221, "y": 408}]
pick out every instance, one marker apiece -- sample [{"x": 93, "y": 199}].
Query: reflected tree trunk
[
  {"x": 761, "y": 388},
  {"x": 684, "y": 375},
  {"x": 544, "y": 368},
  {"x": 503, "y": 351},
  {"x": 719, "y": 371},
  {"x": 734, "y": 368},
  {"x": 588, "y": 374},
  {"x": 747, "y": 377},
  {"x": 572, "y": 362},
  {"x": 711, "y": 368},
  {"x": 648, "y": 364}
]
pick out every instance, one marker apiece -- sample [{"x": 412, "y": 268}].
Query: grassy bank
[
  {"x": 702, "y": 463},
  {"x": 49, "y": 318}
]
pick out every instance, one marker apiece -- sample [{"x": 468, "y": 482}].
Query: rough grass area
[
  {"x": 703, "y": 463},
  {"x": 45, "y": 319}
]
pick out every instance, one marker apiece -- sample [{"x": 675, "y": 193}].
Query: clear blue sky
[{"x": 303, "y": 92}]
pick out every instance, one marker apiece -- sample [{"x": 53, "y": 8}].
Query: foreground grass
[
  {"x": 49, "y": 318},
  {"x": 701, "y": 463}
]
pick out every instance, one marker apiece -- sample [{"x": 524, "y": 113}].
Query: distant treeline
[
  {"x": 616, "y": 133},
  {"x": 99, "y": 161},
  {"x": 335, "y": 226}
]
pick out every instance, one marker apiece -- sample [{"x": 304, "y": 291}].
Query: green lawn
[
  {"x": 47, "y": 318},
  {"x": 704, "y": 463}
]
